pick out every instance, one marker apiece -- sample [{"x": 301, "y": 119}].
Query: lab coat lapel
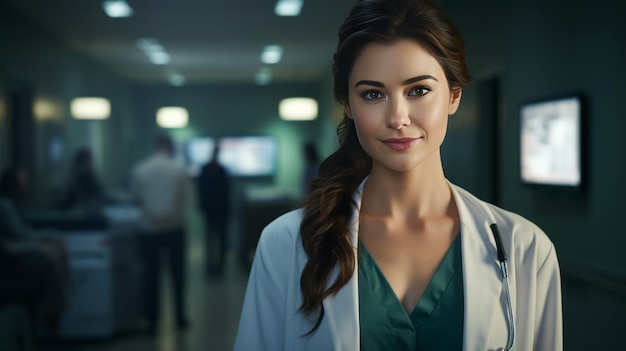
[
  {"x": 342, "y": 309},
  {"x": 481, "y": 276},
  {"x": 342, "y": 313}
]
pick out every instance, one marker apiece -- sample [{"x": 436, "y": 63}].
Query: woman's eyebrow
[
  {"x": 418, "y": 78},
  {"x": 369, "y": 82},
  {"x": 405, "y": 82}
]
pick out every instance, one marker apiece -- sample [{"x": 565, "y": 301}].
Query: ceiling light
[
  {"x": 263, "y": 76},
  {"x": 90, "y": 108},
  {"x": 298, "y": 109},
  {"x": 159, "y": 58},
  {"x": 149, "y": 45},
  {"x": 288, "y": 7},
  {"x": 176, "y": 79},
  {"x": 117, "y": 8},
  {"x": 272, "y": 54},
  {"x": 45, "y": 109},
  {"x": 172, "y": 117}
]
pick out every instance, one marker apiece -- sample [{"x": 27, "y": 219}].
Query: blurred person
[
  {"x": 83, "y": 190},
  {"x": 387, "y": 254},
  {"x": 214, "y": 201},
  {"x": 162, "y": 189},
  {"x": 311, "y": 165},
  {"x": 34, "y": 270}
]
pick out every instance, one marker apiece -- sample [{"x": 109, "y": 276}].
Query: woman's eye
[
  {"x": 372, "y": 95},
  {"x": 419, "y": 91}
]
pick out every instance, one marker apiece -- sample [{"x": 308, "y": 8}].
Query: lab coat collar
[
  {"x": 481, "y": 276},
  {"x": 481, "y": 279}
]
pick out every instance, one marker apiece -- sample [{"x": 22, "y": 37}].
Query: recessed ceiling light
[
  {"x": 176, "y": 79},
  {"x": 263, "y": 76},
  {"x": 272, "y": 54},
  {"x": 149, "y": 45},
  {"x": 159, "y": 58},
  {"x": 117, "y": 8},
  {"x": 288, "y": 7}
]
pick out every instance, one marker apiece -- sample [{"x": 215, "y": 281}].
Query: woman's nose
[{"x": 398, "y": 114}]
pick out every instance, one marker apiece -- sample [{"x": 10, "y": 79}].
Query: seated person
[{"x": 34, "y": 270}]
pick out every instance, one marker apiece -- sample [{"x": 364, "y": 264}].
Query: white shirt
[{"x": 162, "y": 188}]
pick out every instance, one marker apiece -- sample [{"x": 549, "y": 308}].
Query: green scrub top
[{"x": 436, "y": 322}]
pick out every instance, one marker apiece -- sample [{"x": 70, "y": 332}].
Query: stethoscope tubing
[
  {"x": 502, "y": 259},
  {"x": 510, "y": 341}
]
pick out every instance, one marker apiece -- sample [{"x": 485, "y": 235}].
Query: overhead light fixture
[
  {"x": 90, "y": 108},
  {"x": 154, "y": 50},
  {"x": 176, "y": 79},
  {"x": 45, "y": 109},
  {"x": 263, "y": 76},
  {"x": 117, "y": 8},
  {"x": 288, "y": 7},
  {"x": 172, "y": 117},
  {"x": 272, "y": 54},
  {"x": 298, "y": 109},
  {"x": 159, "y": 58},
  {"x": 149, "y": 45}
]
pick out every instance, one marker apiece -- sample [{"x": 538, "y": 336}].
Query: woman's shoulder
[
  {"x": 520, "y": 226},
  {"x": 278, "y": 249},
  {"x": 283, "y": 230},
  {"x": 520, "y": 229}
]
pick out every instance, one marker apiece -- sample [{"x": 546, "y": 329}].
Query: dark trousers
[
  {"x": 174, "y": 243},
  {"x": 215, "y": 244}
]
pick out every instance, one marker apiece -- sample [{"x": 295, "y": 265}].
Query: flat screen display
[
  {"x": 245, "y": 156},
  {"x": 551, "y": 142}
]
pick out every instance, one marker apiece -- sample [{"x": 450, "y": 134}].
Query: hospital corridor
[{"x": 125, "y": 124}]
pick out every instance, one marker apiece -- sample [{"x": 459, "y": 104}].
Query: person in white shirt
[{"x": 162, "y": 188}]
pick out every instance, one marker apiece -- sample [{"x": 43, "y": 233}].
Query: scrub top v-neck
[{"x": 436, "y": 322}]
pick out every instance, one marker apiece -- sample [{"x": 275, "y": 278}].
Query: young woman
[{"x": 387, "y": 254}]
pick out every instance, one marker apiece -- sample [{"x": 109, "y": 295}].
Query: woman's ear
[{"x": 455, "y": 100}]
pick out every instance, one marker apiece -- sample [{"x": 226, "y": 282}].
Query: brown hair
[{"x": 325, "y": 229}]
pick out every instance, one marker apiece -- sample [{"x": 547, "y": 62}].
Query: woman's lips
[{"x": 400, "y": 144}]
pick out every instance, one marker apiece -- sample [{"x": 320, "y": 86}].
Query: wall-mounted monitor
[
  {"x": 243, "y": 156},
  {"x": 551, "y": 142}
]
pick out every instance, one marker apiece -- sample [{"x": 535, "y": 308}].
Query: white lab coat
[{"x": 270, "y": 320}]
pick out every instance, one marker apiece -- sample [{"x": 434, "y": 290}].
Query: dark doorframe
[
  {"x": 21, "y": 126},
  {"x": 488, "y": 139}
]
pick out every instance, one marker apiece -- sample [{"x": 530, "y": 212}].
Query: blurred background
[{"x": 210, "y": 73}]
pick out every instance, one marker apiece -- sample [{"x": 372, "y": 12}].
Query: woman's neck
[{"x": 407, "y": 194}]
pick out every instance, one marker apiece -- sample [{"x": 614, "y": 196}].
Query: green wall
[{"x": 542, "y": 49}]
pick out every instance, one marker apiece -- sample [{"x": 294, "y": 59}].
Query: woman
[
  {"x": 386, "y": 253},
  {"x": 84, "y": 191}
]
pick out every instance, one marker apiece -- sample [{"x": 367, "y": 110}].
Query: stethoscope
[{"x": 510, "y": 340}]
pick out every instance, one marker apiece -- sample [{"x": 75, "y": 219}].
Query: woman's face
[{"x": 399, "y": 99}]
